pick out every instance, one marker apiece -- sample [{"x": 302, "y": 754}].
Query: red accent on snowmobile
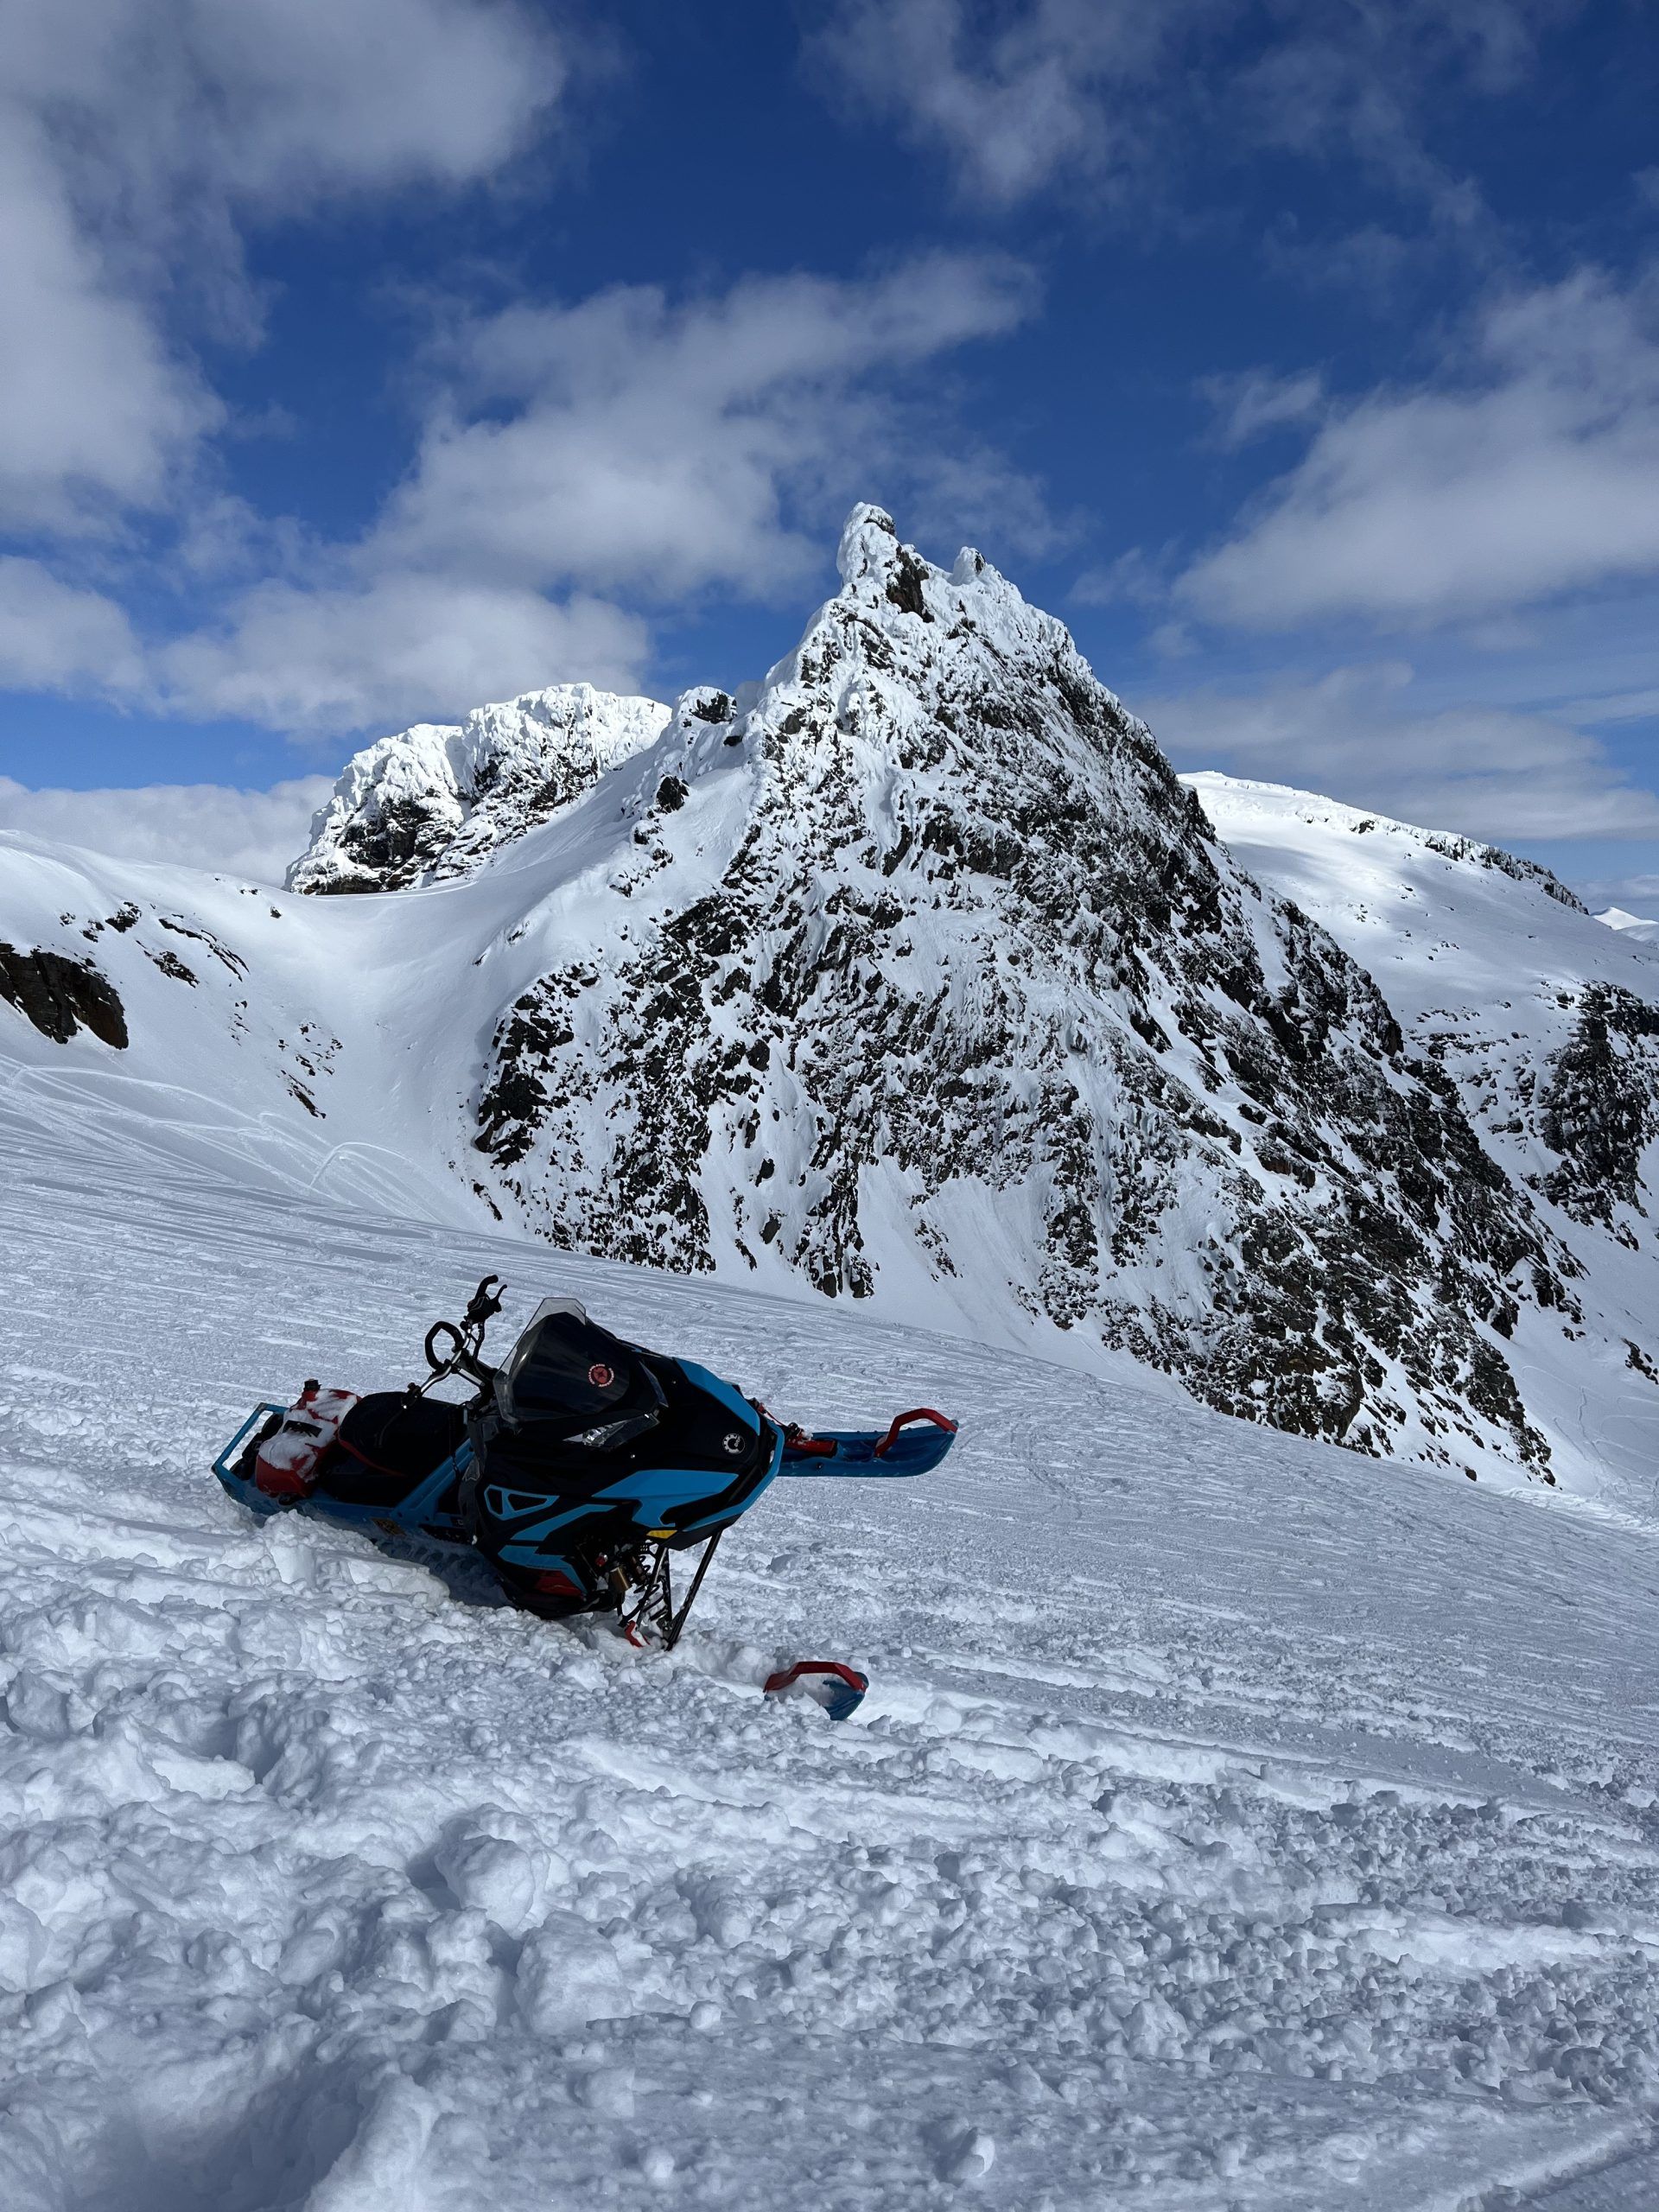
[
  {"x": 903, "y": 1420},
  {"x": 286, "y": 1467},
  {"x": 797, "y": 1440},
  {"x": 847, "y": 1684}
]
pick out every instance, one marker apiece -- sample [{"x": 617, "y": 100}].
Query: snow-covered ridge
[
  {"x": 1547, "y": 1021},
  {"x": 1629, "y": 925},
  {"x": 428, "y": 802},
  {"x": 924, "y": 978},
  {"x": 1237, "y": 795}
]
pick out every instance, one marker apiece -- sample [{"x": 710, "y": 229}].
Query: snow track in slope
[{"x": 1230, "y": 1817}]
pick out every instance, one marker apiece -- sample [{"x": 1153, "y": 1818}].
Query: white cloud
[
  {"x": 95, "y": 411},
  {"x": 662, "y": 447},
  {"x": 1015, "y": 102},
  {"x": 1134, "y": 578},
  {"x": 1531, "y": 477},
  {"x": 626, "y": 444},
  {"x": 397, "y": 648},
  {"x": 1103, "y": 95},
  {"x": 137, "y": 138},
  {"x": 1634, "y": 895},
  {"x": 251, "y": 834},
  {"x": 1353, "y": 734},
  {"x": 54, "y": 636},
  {"x": 1250, "y": 404}
]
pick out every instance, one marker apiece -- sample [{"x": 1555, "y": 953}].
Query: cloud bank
[{"x": 248, "y": 834}]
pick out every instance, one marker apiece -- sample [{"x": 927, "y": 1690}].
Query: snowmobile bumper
[{"x": 240, "y": 1487}]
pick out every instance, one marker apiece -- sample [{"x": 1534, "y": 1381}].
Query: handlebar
[{"x": 455, "y": 1350}]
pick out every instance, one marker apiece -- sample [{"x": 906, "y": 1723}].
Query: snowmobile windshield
[{"x": 570, "y": 1379}]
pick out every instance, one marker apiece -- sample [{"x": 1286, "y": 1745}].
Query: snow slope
[
  {"x": 1547, "y": 1021},
  {"x": 1634, "y": 926},
  {"x": 1228, "y": 1829}
]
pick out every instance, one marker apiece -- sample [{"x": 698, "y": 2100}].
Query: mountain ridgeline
[{"x": 923, "y": 967}]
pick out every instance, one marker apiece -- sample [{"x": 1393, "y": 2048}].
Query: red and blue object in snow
[{"x": 902, "y": 1448}]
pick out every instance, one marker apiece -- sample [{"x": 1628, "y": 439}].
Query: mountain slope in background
[
  {"x": 429, "y": 802},
  {"x": 1630, "y": 926},
  {"x": 918, "y": 979},
  {"x": 1547, "y": 1021}
]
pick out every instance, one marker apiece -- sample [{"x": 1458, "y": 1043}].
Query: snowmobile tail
[{"x": 902, "y": 1448}]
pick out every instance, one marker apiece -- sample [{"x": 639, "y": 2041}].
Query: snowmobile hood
[{"x": 570, "y": 1379}]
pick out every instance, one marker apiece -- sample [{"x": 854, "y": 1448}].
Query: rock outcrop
[{"x": 430, "y": 802}]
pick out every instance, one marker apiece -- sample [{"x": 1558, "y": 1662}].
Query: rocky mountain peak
[
  {"x": 432, "y": 801},
  {"x": 924, "y": 975}
]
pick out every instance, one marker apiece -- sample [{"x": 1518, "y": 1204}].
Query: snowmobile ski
[
  {"x": 838, "y": 1688},
  {"x": 901, "y": 1448}
]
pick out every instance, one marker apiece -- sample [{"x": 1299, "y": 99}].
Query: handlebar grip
[{"x": 444, "y": 1329}]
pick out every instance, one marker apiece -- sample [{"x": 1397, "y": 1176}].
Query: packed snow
[{"x": 1233, "y": 1823}]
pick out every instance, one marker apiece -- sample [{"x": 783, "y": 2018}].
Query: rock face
[
  {"x": 926, "y": 967},
  {"x": 428, "y": 803},
  {"x": 1547, "y": 1020},
  {"x": 61, "y": 996}
]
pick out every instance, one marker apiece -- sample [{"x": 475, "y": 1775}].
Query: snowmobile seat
[{"x": 390, "y": 1442}]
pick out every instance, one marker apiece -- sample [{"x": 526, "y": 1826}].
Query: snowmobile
[{"x": 578, "y": 1468}]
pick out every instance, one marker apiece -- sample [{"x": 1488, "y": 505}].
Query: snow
[
  {"x": 1232, "y": 1821},
  {"x": 915, "y": 978},
  {"x": 1634, "y": 926},
  {"x": 430, "y": 802}
]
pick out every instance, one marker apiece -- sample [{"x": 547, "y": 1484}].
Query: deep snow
[{"x": 1234, "y": 1822}]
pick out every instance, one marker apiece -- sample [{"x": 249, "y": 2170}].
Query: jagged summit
[{"x": 429, "y": 802}]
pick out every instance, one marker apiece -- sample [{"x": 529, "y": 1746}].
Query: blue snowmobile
[{"x": 578, "y": 1468}]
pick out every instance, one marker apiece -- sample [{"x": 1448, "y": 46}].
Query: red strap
[
  {"x": 903, "y": 1420},
  {"x": 850, "y": 1675}
]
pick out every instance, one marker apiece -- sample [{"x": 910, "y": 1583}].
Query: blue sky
[{"x": 385, "y": 356}]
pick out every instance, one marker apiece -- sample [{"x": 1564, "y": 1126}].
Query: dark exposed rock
[
  {"x": 60, "y": 996},
  {"x": 170, "y": 964},
  {"x": 1600, "y": 1104}
]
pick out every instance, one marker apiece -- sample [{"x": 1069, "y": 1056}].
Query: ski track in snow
[{"x": 1233, "y": 1822}]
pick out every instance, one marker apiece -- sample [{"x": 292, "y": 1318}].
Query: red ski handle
[
  {"x": 785, "y": 1675},
  {"x": 903, "y": 1420}
]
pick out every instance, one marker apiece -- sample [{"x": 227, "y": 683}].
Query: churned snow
[{"x": 1233, "y": 1822}]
